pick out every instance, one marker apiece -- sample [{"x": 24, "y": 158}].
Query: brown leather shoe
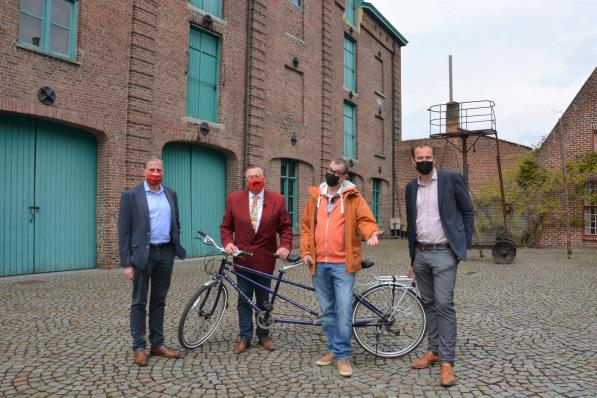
[
  {"x": 163, "y": 351},
  {"x": 267, "y": 343},
  {"x": 139, "y": 358},
  {"x": 446, "y": 375},
  {"x": 425, "y": 361},
  {"x": 241, "y": 346}
]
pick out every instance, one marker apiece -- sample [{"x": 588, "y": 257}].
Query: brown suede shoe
[
  {"x": 425, "y": 361},
  {"x": 344, "y": 368},
  {"x": 267, "y": 343},
  {"x": 326, "y": 360},
  {"x": 446, "y": 375},
  {"x": 139, "y": 358},
  {"x": 241, "y": 346},
  {"x": 163, "y": 351}
]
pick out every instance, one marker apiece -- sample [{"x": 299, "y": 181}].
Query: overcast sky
[{"x": 529, "y": 56}]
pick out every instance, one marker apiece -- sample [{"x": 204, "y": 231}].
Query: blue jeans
[
  {"x": 245, "y": 311},
  {"x": 333, "y": 286}
]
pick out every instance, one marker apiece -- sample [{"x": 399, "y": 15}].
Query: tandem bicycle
[{"x": 388, "y": 319}]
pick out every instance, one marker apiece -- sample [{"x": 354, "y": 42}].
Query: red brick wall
[
  {"x": 128, "y": 88},
  {"x": 578, "y": 122},
  {"x": 91, "y": 93}
]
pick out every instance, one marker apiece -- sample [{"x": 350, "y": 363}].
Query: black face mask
[
  {"x": 331, "y": 179},
  {"x": 424, "y": 167}
]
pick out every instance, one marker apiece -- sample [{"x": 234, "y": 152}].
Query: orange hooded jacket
[{"x": 358, "y": 221}]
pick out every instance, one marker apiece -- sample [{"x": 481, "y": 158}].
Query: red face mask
[
  {"x": 255, "y": 185},
  {"x": 154, "y": 179}
]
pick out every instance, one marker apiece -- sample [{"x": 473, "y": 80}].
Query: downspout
[
  {"x": 394, "y": 182},
  {"x": 247, "y": 86}
]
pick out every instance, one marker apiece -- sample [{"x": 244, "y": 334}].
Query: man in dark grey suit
[
  {"x": 440, "y": 219},
  {"x": 149, "y": 238}
]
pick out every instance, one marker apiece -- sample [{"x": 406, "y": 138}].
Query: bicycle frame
[
  {"x": 230, "y": 267},
  {"x": 378, "y": 308}
]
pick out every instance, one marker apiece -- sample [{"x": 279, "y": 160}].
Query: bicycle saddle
[
  {"x": 293, "y": 258},
  {"x": 367, "y": 263}
]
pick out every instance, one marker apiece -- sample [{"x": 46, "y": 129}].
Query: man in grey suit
[
  {"x": 149, "y": 238},
  {"x": 440, "y": 219}
]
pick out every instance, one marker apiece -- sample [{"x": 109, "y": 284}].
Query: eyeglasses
[{"x": 336, "y": 172}]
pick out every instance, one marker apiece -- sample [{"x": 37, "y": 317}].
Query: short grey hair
[{"x": 342, "y": 162}]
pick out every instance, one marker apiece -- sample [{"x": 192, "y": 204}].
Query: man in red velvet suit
[{"x": 252, "y": 219}]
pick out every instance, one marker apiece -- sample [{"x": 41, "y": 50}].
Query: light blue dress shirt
[{"x": 160, "y": 215}]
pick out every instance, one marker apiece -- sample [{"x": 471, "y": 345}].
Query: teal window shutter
[
  {"x": 298, "y": 3},
  {"x": 377, "y": 199},
  {"x": 349, "y": 130},
  {"x": 49, "y": 26},
  {"x": 288, "y": 177},
  {"x": 213, "y": 7},
  {"x": 350, "y": 64},
  {"x": 202, "y": 95},
  {"x": 349, "y": 12}
]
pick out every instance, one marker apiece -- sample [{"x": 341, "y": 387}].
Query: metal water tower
[{"x": 468, "y": 121}]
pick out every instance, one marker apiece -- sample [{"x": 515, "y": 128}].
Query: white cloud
[{"x": 531, "y": 57}]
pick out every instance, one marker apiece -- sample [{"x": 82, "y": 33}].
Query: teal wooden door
[
  {"x": 198, "y": 175},
  {"x": 65, "y": 192},
  {"x": 17, "y": 149},
  {"x": 47, "y": 219}
]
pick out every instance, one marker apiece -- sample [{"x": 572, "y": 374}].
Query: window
[
  {"x": 288, "y": 175},
  {"x": 350, "y": 131},
  {"x": 202, "y": 96},
  {"x": 49, "y": 26},
  {"x": 350, "y": 64},
  {"x": 213, "y": 7},
  {"x": 298, "y": 3},
  {"x": 590, "y": 208},
  {"x": 595, "y": 139},
  {"x": 377, "y": 199},
  {"x": 350, "y": 13}
]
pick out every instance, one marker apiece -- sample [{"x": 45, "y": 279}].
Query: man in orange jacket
[{"x": 335, "y": 218}]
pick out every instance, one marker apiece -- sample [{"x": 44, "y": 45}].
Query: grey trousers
[{"x": 435, "y": 272}]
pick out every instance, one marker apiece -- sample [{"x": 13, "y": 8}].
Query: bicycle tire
[
  {"x": 208, "y": 304},
  {"x": 389, "y": 339}
]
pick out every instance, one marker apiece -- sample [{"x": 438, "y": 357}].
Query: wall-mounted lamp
[
  {"x": 295, "y": 61},
  {"x": 208, "y": 21},
  {"x": 379, "y": 170},
  {"x": 204, "y": 128},
  {"x": 293, "y": 139}
]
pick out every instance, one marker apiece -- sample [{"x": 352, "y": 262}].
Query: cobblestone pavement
[{"x": 526, "y": 329}]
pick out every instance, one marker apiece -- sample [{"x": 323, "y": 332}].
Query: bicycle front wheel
[
  {"x": 388, "y": 320},
  {"x": 202, "y": 315}
]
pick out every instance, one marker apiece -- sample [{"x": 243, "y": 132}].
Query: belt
[
  {"x": 159, "y": 245},
  {"x": 425, "y": 247}
]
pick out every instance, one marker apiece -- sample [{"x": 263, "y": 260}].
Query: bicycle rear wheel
[
  {"x": 202, "y": 315},
  {"x": 388, "y": 320}
]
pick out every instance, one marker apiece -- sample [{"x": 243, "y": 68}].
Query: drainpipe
[
  {"x": 394, "y": 182},
  {"x": 247, "y": 86}
]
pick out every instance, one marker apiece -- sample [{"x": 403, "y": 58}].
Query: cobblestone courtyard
[{"x": 525, "y": 329}]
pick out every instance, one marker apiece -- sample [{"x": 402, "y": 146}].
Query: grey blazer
[
  {"x": 455, "y": 212},
  {"x": 134, "y": 227}
]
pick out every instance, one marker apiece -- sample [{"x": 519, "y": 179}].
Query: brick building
[
  {"x": 482, "y": 164},
  {"x": 93, "y": 89},
  {"x": 579, "y": 124}
]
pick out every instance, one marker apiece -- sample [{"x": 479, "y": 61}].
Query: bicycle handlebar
[{"x": 208, "y": 240}]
